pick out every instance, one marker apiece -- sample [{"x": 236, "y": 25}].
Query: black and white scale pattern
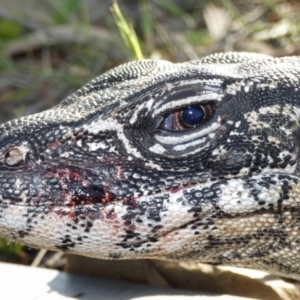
[{"x": 99, "y": 175}]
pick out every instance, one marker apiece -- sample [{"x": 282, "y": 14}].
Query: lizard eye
[{"x": 187, "y": 117}]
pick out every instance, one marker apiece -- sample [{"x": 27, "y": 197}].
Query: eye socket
[{"x": 187, "y": 117}]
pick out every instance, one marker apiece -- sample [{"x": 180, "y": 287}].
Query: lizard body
[{"x": 197, "y": 161}]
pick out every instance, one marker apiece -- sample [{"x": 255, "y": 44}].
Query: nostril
[{"x": 14, "y": 156}]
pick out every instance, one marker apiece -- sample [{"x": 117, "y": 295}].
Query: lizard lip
[
  {"x": 80, "y": 187},
  {"x": 88, "y": 195},
  {"x": 63, "y": 186}
]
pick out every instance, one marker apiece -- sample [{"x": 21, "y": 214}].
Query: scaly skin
[{"x": 105, "y": 175}]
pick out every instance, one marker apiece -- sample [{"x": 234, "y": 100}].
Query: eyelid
[
  {"x": 173, "y": 139},
  {"x": 201, "y": 99}
]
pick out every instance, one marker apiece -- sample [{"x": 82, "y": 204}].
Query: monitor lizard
[{"x": 194, "y": 161}]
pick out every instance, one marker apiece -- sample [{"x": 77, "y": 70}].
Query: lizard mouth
[
  {"x": 79, "y": 187},
  {"x": 53, "y": 186}
]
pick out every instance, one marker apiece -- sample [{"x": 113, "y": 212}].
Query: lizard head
[{"x": 194, "y": 161}]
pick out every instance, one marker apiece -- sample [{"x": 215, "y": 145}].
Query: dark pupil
[{"x": 192, "y": 115}]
